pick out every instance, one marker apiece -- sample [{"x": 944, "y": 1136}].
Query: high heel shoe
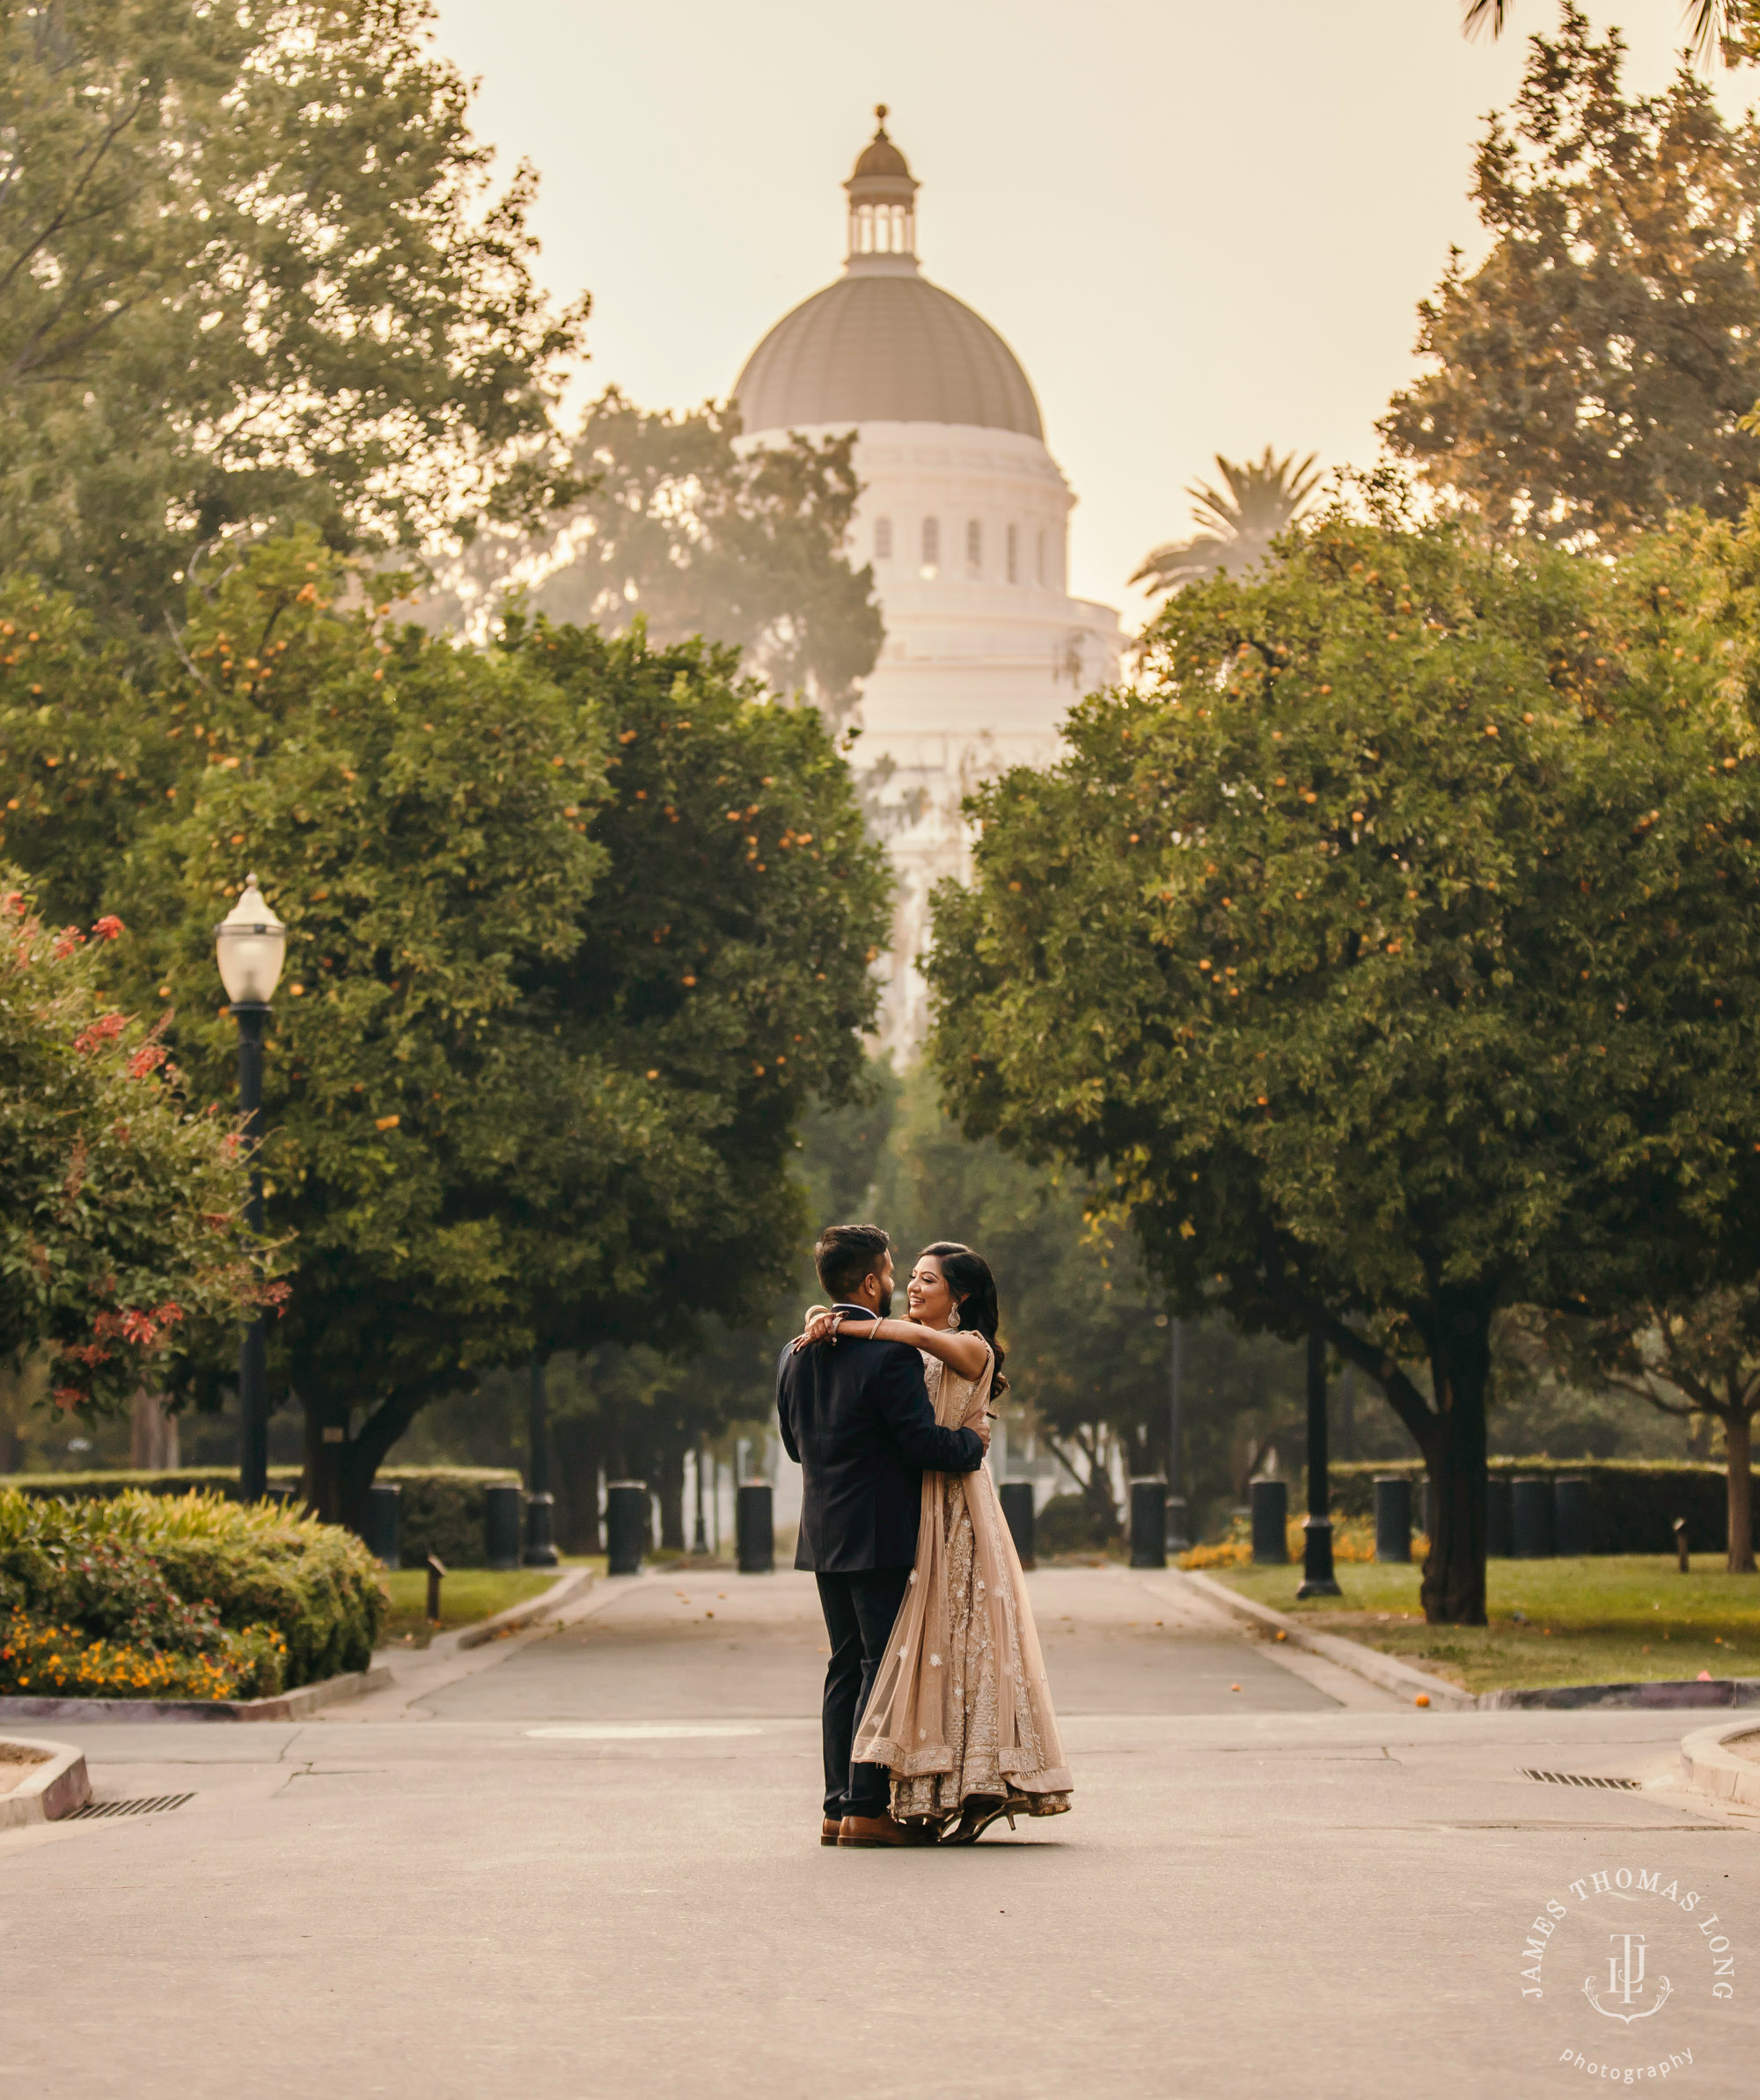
[{"x": 980, "y": 1813}]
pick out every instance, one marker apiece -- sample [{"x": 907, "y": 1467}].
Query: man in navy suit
[{"x": 857, "y": 1420}]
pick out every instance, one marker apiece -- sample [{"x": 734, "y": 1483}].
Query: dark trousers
[{"x": 859, "y": 1611}]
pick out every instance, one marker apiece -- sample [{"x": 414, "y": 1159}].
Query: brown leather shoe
[
  {"x": 875, "y": 1831},
  {"x": 828, "y": 1830}
]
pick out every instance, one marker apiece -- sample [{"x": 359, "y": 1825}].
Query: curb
[
  {"x": 1670, "y": 1694},
  {"x": 285, "y": 1706},
  {"x": 543, "y": 1605},
  {"x": 1382, "y": 1670},
  {"x": 1673, "y": 1693},
  {"x": 1712, "y": 1768},
  {"x": 57, "y": 1787}
]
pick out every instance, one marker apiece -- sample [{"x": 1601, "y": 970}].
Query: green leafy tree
[
  {"x": 121, "y": 1241},
  {"x": 726, "y": 963},
  {"x": 1390, "y": 957},
  {"x": 577, "y": 929},
  {"x": 252, "y": 270},
  {"x": 420, "y": 816},
  {"x": 693, "y": 534},
  {"x": 1593, "y": 373},
  {"x": 1697, "y": 1360},
  {"x": 1264, "y": 498}
]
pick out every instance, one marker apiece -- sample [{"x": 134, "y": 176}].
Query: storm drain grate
[
  {"x": 149, "y": 1805},
  {"x": 1581, "y": 1779}
]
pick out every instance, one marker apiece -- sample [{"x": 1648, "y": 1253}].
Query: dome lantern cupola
[{"x": 882, "y": 212}]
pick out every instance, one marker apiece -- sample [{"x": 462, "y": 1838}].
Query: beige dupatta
[{"x": 907, "y": 1724}]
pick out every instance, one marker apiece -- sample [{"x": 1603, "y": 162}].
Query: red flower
[
  {"x": 148, "y": 1059},
  {"x": 108, "y": 927},
  {"x": 100, "y": 1031},
  {"x": 70, "y": 939}
]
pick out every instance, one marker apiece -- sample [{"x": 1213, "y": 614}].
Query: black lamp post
[
  {"x": 1317, "y": 1579},
  {"x": 250, "y": 943}
]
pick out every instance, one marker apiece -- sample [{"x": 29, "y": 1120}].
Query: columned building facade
[{"x": 964, "y": 515}]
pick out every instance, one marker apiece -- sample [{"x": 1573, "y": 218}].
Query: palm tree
[
  {"x": 1265, "y": 497},
  {"x": 1715, "y": 23}
]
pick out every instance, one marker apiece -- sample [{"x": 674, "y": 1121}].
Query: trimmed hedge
[
  {"x": 1633, "y": 1503},
  {"x": 269, "y": 1599},
  {"x": 441, "y": 1505}
]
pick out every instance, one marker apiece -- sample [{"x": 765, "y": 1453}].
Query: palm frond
[
  {"x": 1263, "y": 497},
  {"x": 1479, "y": 15},
  {"x": 1712, "y": 24}
]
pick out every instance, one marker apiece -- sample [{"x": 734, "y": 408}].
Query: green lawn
[
  {"x": 1602, "y": 1621},
  {"x": 465, "y": 1596}
]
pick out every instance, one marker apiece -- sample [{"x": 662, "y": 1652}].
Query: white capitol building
[{"x": 964, "y": 515}]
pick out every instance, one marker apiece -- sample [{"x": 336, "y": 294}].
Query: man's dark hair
[{"x": 846, "y": 1256}]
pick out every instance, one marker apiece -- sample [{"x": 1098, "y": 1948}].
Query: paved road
[{"x": 583, "y": 1863}]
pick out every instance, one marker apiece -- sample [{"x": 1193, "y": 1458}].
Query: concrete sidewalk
[{"x": 590, "y": 1866}]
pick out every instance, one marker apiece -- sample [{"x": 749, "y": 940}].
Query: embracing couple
[{"x": 937, "y": 1715}]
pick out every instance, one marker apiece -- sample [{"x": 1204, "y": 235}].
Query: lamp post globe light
[{"x": 250, "y": 943}]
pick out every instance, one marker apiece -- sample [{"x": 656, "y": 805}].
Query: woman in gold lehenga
[{"x": 960, "y": 1711}]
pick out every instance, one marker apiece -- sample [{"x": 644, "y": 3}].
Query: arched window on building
[
  {"x": 883, "y": 539},
  {"x": 974, "y": 548},
  {"x": 1014, "y": 555},
  {"x": 931, "y": 546}
]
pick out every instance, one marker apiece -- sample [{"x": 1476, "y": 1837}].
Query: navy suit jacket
[{"x": 856, "y": 1418}]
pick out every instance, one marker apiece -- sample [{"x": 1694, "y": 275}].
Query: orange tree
[
  {"x": 119, "y": 1210},
  {"x": 576, "y": 928},
  {"x": 1391, "y": 955}
]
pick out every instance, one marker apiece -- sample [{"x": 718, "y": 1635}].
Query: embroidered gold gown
[{"x": 961, "y": 1706}]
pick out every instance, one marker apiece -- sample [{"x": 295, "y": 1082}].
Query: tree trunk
[
  {"x": 575, "y": 1440},
  {"x": 671, "y": 1488},
  {"x": 321, "y": 1482},
  {"x": 1454, "y": 1590},
  {"x": 339, "y": 1468},
  {"x": 1738, "y": 1442}
]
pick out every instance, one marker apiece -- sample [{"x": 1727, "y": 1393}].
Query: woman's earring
[{"x": 953, "y": 1318}]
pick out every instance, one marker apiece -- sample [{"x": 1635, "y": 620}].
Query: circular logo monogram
[{"x": 1626, "y": 1970}]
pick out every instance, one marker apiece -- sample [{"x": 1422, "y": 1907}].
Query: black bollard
[
  {"x": 1270, "y": 1522},
  {"x": 1393, "y": 1517},
  {"x": 755, "y": 1529},
  {"x": 540, "y": 1532},
  {"x": 1148, "y": 1523},
  {"x": 1016, "y": 1497},
  {"x": 382, "y": 1530},
  {"x": 629, "y": 1526},
  {"x": 1499, "y": 1519},
  {"x": 1571, "y": 1516},
  {"x": 501, "y": 1525},
  {"x": 436, "y": 1575},
  {"x": 1532, "y": 1509}
]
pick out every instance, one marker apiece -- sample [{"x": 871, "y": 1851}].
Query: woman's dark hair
[{"x": 974, "y": 1293}]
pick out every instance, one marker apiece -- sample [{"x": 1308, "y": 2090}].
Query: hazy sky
[{"x": 1203, "y": 225}]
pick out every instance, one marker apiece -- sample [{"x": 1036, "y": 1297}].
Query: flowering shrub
[
  {"x": 1353, "y": 1540},
  {"x": 119, "y": 1211},
  {"x": 140, "y": 1585},
  {"x": 40, "y": 1658}
]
